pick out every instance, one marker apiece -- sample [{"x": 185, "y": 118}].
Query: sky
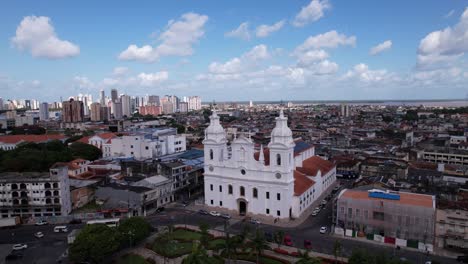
[{"x": 235, "y": 50}]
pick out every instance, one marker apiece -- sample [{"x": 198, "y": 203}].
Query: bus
[{"x": 112, "y": 222}]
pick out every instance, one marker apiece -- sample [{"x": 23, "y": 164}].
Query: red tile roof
[
  {"x": 312, "y": 165},
  {"x": 266, "y": 154},
  {"x": 301, "y": 183},
  {"x": 15, "y": 139}
]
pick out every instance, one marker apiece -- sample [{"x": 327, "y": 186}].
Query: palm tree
[
  {"x": 204, "y": 234},
  {"x": 230, "y": 249},
  {"x": 279, "y": 237},
  {"x": 259, "y": 244},
  {"x": 305, "y": 258},
  {"x": 197, "y": 256},
  {"x": 336, "y": 250}
]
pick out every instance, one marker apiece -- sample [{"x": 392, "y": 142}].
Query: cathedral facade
[{"x": 280, "y": 181}]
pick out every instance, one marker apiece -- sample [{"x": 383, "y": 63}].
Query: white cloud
[
  {"x": 83, "y": 82},
  {"x": 152, "y": 79},
  {"x": 362, "y": 72},
  {"x": 241, "y": 32},
  {"x": 325, "y": 67},
  {"x": 312, "y": 56},
  {"x": 311, "y": 13},
  {"x": 236, "y": 65},
  {"x": 177, "y": 40},
  {"x": 450, "y": 13},
  {"x": 37, "y": 35},
  {"x": 265, "y": 30},
  {"x": 330, "y": 39},
  {"x": 386, "y": 45},
  {"x": 120, "y": 71},
  {"x": 445, "y": 45}
]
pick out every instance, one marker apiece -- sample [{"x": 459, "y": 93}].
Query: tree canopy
[
  {"x": 133, "y": 230},
  {"x": 85, "y": 151}
]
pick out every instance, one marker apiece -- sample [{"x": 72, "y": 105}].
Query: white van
[{"x": 59, "y": 229}]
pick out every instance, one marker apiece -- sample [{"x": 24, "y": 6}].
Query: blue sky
[{"x": 236, "y": 50}]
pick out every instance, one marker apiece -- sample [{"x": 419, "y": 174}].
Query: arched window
[
  {"x": 48, "y": 193},
  {"x": 211, "y": 154},
  {"x": 242, "y": 191},
  {"x": 55, "y": 185},
  {"x": 278, "y": 159},
  {"x": 255, "y": 192},
  {"x": 56, "y": 200},
  {"x": 14, "y": 186},
  {"x": 230, "y": 189},
  {"x": 47, "y": 185},
  {"x": 22, "y": 186}
]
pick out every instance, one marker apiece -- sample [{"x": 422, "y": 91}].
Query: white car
[
  {"x": 39, "y": 234},
  {"x": 324, "y": 202},
  {"x": 323, "y": 230},
  {"x": 214, "y": 213},
  {"x": 317, "y": 209},
  {"x": 314, "y": 213},
  {"x": 42, "y": 222},
  {"x": 20, "y": 246},
  {"x": 255, "y": 221}
]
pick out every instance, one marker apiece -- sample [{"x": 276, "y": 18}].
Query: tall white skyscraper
[
  {"x": 194, "y": 103},
  {"x": 126, "y": 105}
]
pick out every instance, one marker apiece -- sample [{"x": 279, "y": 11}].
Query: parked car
[
  {"x": 203, "y": 212},
  {"x": 13, "y": 256},
  {"x": 75, "y": 222},
  {"x": 41, "y": 222},
  {"x": 39, "y": 234},
  {"x": 215, "y": 213},
  {"x": 19, "y": 246},
  {"x": 463, "y": 259},
  {"x": 317, "y": 209},
  {"x": 255, "y": 221},
  {"x": 324, "y": 202},
  {"x": 323, "y": 230},
  {"x": 287, "y": 240},
  {"x": 307, "y": 244},
  {"x": 185, "y": 203},
  {"x": 226, "y": 216}
]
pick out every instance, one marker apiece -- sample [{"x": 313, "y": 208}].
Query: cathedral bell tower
[
  {"x": 214, "y": 142},
  {"x": 282, "y": 146}
]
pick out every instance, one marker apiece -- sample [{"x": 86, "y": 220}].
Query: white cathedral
[{"x": 280, "y": 181}]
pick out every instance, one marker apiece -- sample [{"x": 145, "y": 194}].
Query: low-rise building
[
  {"x": 400, "y": 218},
  {"x": 35, "y": 194},
  {"x": 451, "y": 225}
]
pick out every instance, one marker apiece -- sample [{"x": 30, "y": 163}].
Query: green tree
[
  {"x": 337, "y": 250},
  {"x": 305, "y": 258},
  {"x": 134, "y": 230},
  {"x": 279, "y": 237},
  {"x": 229, "y": 249},
  {"x": 205, "y": 236},
  {"x": 359, "y": 257},
  {"x": 259, "y": 244},
  {"x": 94, "y": 243},
  {"x": 197, "y": 256},
  {"x": 85, "y": 151}
]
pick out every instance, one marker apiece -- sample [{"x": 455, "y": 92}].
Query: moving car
[
  {"x": 41, "y": 222},
  {"x": 19, "y": 246},
  {"x": 215, "y": 213},
  {"x": 59, "y": 229},
  {"x": 287, "y": 240},
  {"x": 324, "y": 202},
  {"x": 226, "y": 216},
  {"x": 254, "y": 221},
  {"x": 39, "y": 234},
  {"x": 323, "y": 230},
  {"x": 203, "y": 212}
]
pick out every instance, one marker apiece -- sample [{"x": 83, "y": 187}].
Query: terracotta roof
[
  {"x": 15, "y": 139},
  {"x": 406, "y": 198},
  {"x": 312, "y": 165},
  {"x": 301, "y": 183},
  {"x": 266, "y": 154}
]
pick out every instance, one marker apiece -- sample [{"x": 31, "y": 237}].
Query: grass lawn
[
  {"x": 185, "y": 235},
  {"x": 132, "y": 259},
  {"x": 172, "y": 248},
  {"x": 217, "y": 243}
]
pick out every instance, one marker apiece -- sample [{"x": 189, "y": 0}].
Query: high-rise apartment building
[
  {"x": 102, "y": 97},
  {"x": 183, "y": 107},
  {"x": 168, "y": 107},
  {"x": 96, "y": 112},
  {"x": 114, "y": 95},
  {"x": 194, "y": 103},
  {"x": 72, "y": 111},
  {"x": 126, "y": 106},
  {"x": 44, "y": 111},
  {"x": 105, "y": 113},
  {"x": 116, "y": 109},
  {"x": 153, "y": 100}
]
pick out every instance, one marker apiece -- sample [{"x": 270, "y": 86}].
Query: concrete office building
[
  {"x": 44, "y": 111},
  {"x": 72, "y": 111}
]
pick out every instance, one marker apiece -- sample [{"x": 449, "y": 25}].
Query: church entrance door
[{"x": 242, "y": 208}]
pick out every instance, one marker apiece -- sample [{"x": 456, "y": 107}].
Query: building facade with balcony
[
  {"x": 35, "y": 194},
  {"x": 452, "y": 227}
]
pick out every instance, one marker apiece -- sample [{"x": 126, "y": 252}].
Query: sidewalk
[{"x": 264, "y": 219}]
